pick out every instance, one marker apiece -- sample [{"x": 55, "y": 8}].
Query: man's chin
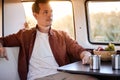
[{"x": 48, "y": 25}]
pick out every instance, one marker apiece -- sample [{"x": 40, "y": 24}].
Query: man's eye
[{"x": 45, "y": 12}]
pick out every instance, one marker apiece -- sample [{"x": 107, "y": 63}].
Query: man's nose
[{"x": 50, "y": 14}]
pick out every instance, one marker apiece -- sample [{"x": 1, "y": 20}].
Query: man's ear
[{"x": 35, "y": 15}]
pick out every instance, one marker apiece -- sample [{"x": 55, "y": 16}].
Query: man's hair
[{"x": 35, "y": 6}]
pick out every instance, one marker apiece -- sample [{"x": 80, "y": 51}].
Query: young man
[{"x": 43, "y": 49}]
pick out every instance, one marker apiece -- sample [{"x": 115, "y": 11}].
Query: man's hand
[
  {"x": 85, "y": 56},
  {"x": 3, "y": 52}
]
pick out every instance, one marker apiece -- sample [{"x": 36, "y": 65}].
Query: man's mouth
[{"x": 50, "y": 20}]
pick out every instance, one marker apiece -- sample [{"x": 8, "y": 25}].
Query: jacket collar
[{"x": 50, "y": 30}]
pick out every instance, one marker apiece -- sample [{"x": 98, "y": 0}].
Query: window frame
[
  {"x": 87, "y": 22},
  {"x": 74, "y": 31}
]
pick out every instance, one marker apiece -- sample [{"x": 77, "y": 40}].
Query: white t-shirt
[{"x": 42, "y": 62}]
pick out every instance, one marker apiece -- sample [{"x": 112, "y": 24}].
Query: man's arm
[
  {"x": 77, "y": 50},
  {"x": 13, "y": 40},
  {"x": 9, "y": 41}
]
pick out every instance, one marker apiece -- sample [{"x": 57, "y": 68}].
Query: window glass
[
  {"x": 62, "y": 16},
  {"x": 103, "y": 21}
]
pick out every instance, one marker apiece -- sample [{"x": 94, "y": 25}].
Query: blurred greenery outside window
[
  {"x": 62, "y": 16},
  {"x": 103, "y": 21}
]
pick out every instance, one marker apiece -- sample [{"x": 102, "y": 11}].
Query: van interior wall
[
  {"x": 14, "y": 18},
  {"x": 0, "y": 18},
  {"x": 80, "y": 23}
]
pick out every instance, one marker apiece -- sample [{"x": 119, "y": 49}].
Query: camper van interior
[{"x": 94, "y": 24}]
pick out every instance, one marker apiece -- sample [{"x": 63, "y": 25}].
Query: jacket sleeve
[
  {"x": 12, "y": 40},
  {"x": 73, "y": 48}
]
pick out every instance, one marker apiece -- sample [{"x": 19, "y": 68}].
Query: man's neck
[{"x": 44, "y": 29}]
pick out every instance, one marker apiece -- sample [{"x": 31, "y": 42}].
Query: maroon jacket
[{"x": 63, "y": 47}]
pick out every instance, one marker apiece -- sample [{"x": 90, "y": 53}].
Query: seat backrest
[
  {"x": 8, "y": 68},
  {"x": 14, "y": 18}
]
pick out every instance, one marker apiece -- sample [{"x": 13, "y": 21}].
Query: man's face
[{"x": 44, "y": 17}]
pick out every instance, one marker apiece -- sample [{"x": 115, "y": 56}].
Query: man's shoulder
[
  {"x": 59, "y": 33},
  {"x": 27, "y": 31}
]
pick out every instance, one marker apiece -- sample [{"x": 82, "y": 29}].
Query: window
[
  {"x": 62, "y": 16},
  {"x": 103, "y": 21}
]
